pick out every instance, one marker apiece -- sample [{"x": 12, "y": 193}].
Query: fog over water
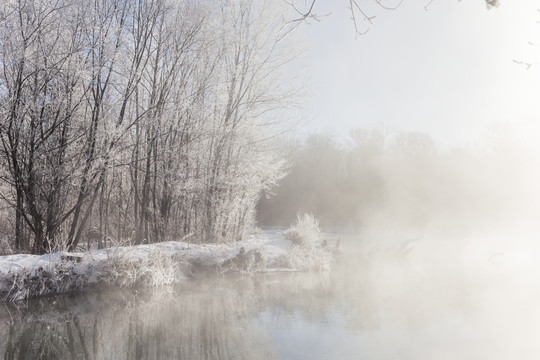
[
  {"x": 427, "y": 298},
  {"x": 440, "y": 247}
]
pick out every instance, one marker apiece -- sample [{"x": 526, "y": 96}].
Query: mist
[
  {"x": 440, "y": 244},
  {"x": 258, "y": 179},
  {"x": 405, "y": 179}
]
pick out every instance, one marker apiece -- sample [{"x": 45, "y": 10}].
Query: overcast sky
[{"x": 448, "y": 71}]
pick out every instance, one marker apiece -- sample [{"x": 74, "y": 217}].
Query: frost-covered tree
[
  {"x": 42, "y": 96},
  {"x": 146, "y": 120}
]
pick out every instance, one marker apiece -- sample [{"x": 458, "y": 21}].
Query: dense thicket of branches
[
  {"x": 403, "y": 179},
  {"x": 141, "y": 119}
]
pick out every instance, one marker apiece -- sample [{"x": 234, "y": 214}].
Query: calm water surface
[{"x": 371, "y": 306}]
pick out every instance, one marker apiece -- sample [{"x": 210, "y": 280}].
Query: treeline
[
  {"x": 139, "y": 119},
  {"x": 404, "y": 179}
]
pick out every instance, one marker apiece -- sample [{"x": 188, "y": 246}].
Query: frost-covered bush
[
  {"x": 305, "y": 232},
  {"x": 308, "y": 254},
  {"x": 118, "y": 270},
  {"x": 56, "y": 278},
  {"x": 310, "y": 258},
  {"x": 155, "y": 270},
  {"x": 152, "y": 265}
]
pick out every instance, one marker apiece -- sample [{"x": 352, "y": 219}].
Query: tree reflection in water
[
  {"x": 210, "y": 318},
  {"x": 370, "y": 306}
]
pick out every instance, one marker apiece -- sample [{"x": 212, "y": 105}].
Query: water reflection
[
  {"x": 370, "y": 306},
  {"x": 209, "y": 319}
]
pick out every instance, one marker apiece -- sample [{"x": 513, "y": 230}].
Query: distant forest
[{"x": 404, "y": 179}]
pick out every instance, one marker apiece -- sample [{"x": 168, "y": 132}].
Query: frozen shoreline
[{"x": 23, "y": 276}]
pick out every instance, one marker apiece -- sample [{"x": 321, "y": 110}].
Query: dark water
[{"x": 370, "y": 306}]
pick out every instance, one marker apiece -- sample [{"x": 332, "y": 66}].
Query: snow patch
[{"x": 23, "y": 275}]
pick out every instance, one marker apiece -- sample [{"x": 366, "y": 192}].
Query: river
[{"x": 372, "y": 305}]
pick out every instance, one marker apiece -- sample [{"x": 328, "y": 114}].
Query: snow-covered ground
[{"x": 24, "y": 275}]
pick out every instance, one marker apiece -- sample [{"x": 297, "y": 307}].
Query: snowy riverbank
[{"x": 23, "y": 275}]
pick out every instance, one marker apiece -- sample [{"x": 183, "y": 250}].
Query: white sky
[{"x": 448, "y": 71}]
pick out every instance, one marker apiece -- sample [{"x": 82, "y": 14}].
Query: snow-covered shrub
[
  {"x": 310, "y": 258},
  {"x": 154, "y": 270},
  {"x": 156, "y": 265},
  {"x": 56, "y": 278},
  {"x": 308, "y": 254},
  {"x": 305, "y": 232}
]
